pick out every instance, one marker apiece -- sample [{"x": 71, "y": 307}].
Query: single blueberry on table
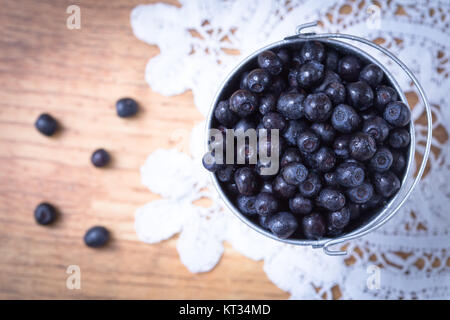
[
  {"x": 126, "y": 107},
  {"x": 313, "y": 226},
  {"x": 362, "y": 146},
  {"x": 266, "y": 204},
  {"x": 100, "y": 158},
  {"x": 340, "y": 146},
  {"x": 45, "y": 213},
  {"x": 311, "y": 186},
  {"x": 224, "y": 115},
  {"x": 377, "y": 128},
  {"x": 246, "y": 181},
  {"x": 282, "y": 224},
  {"x": 310, "y": 74},
  {"x": 294, "y": 173},
  {"x": 382, "y": 160},
  {"x": 312, "y": 50},
  {"x": 325, "y": 131},
  {"x": 345, "y": 119},
  {"x": 317, "y": 107},
  {"x": 308, "y": 142},
  {"x": 372, "y": 74},
  {"x": 325, "y": 159},
  {"x": 300, "y": 205},
  {"x": 243, "y": 103},
  {"x": 386, "y": 183},
  {"x": 360, "y": 95},
  {"x": 246, "y": 204},
  {"x": 350, "y": 174},
  {"x": 46, "y": 124},
  {"x": 331, "y": 199},
  {"x": 399, "y": 138},
  {"x": 96, "y": 237},
  {"x": 271, "y": 62},
  {"x": 281, "y": 188},
  {"x": 290, "y": 105},
  {"x": 397, "y": 114},
  {"x": 383, "y": 96},
  {"x": 258, "y": 80},
  {"x": 349, "y": 68},
  {"x": 360, "y": 194}
]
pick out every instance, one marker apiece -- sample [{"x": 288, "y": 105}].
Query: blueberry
[
  {"x": 362, "y": 146},
  {"x": 126, "y": 107},
  {"x": 372, "y": 74},
  {"x": 290, "y": 105},
  {"x": 376, "y": 201},
  {"x": 329, "y": 77},
  {"x": 289, "y": 156},
  {"x": 266, "y": 204},
  {"x": 330, "y": 179},
  {"x": 232, "y": 189},
  {"x": 325, "y": 131},
  {"x": 383, "y": 96},
  {"x": 360, "y": 95},
  {"x": 311, "y": 186},
  {"x": 377, "y": 128},
  {"x": 360, "y": 194},
  {"x": 292, "y": 76},
  {"x": 325, "y": 159},
  {"x": 350, "y": 174},
  {"x": 382, "y": 160},
  {"x": 294, "y": 173},
  {"x": 267, "y": 187},
  {"x": 243, "y": 103},
  {"x": 246, "y": 181},
  {"x": 284, "y": 55},
  {"x": 340, "y": 146},
  {"x": 246, "y": 204},
  {"x": 45, "y": 213},
  {"x": 226, "y": 174},
  {"x": 386, "y": 183},
  {"x": 399, "y": 138},
  {"x": 258, "y": 80},
  {"x": 313, "y": 226},
  {"x": 397, "y": 114},
  {"x": 282, "y": 224},
  {"x": 345, "y": 119},
  {"x": 349, "y": 68},
  {"x": 278, "y": 85},
  {"x": 96, "y": 237},
  {"x": 263, "y": 221},
  {"x": 267, "y": 103},
  {"x": 398, "y": 162},
  {"x": 338, "y": 220},
  {"x": 209, "y": 162},
  {"x": 309, "y": 74},
  {"x": 100, "y": 158},
  {"x": 244, "y": 124},
  {"x": 317, "y": 107},
  {"x": 224, "y": 115},
  {"x": 308, "y": 142},
  {"x": 270, "y": 61},
  {"x": 300, "y": 205},
  {"x": 282, "y": 188},
  {"x": 366, "y": 115},
  {"x": 331, "y": 199},
  {"x": 332, "y": 60},
  {"x": 293, "y": 130},
  {"x": 243, "y": 83},
  {"x": 336, "y": 92},
  {"x": 274, "y": 120},
  {"x": 312, "y": 50},
  {"x": 46, "y": 124}
]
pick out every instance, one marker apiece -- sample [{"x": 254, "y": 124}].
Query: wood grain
[{"x": 77, "y": 75}]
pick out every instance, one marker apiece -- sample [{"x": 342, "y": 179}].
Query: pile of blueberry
[
  {"x": 344, "y": 141},
  {"x": 45, "y": 213}
]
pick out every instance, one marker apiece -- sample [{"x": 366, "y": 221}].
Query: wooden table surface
[{"x": 77, "y": 75}]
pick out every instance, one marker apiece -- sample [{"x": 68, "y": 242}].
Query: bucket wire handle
[{"x": 311, "y": 36}]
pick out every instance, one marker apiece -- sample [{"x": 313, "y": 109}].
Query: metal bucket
[{"x": 409, "y": 180}]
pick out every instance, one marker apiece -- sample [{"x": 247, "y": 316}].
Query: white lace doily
[{"x": 200, "y": 42}]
